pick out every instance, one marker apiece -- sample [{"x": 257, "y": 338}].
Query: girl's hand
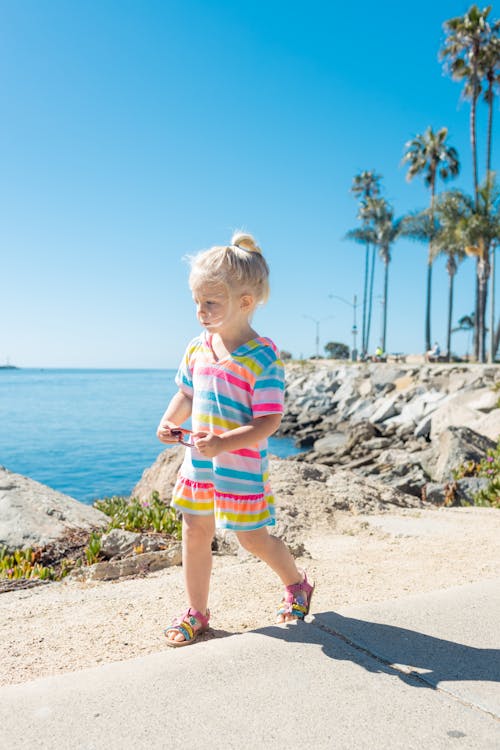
[
  {"x": 164, "y": 432},
  {"x": 208, "y": 444}
]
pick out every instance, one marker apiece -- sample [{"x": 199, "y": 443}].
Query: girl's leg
[
  {"x": 197, "y": 535},
  {"x": 275, "y": 553}
]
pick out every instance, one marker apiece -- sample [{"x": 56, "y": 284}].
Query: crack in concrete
[{"x": 399, "y": 669}]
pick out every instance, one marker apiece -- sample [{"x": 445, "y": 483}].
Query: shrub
[
  {"x": 489, "y": 468},
  {"x": 141, "y": 515}
]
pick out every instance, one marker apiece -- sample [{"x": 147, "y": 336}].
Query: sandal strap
[
  {"x": 297, "y": 599},
  {"x": 184, "y": 623},
  {"x": 191, "y": 612}
]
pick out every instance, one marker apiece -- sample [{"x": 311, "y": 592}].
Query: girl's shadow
[{"x": 417, "y": 659}]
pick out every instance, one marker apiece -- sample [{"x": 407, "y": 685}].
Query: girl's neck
[{"x": 223, "y": 343}]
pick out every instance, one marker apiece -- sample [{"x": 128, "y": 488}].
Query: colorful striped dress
[{"x": 226, "y": 394}]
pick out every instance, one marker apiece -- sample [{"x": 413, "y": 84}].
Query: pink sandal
[
  {"x": 297, "y": 599},
  {"x": 186, "y": 625}
]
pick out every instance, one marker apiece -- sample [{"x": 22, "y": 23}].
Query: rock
[
  {"x": 478, "y": 399},
  {"x": 450, "y": 415},
  {"x": 489, "y": 425},
  {"x": 404, "y": 382},
  {"x": 457, "y": 445},
  {"x": 383, "y": 375},
  {"x": 314, "y": 491},
  {"x": 407, "y": 479},
  {"x": 423, "y": 428},
  {"x": 330, "y": 443},
  {"x": 161, "y": 476},
  {"x": 131, "y": 566},
  {"x": 385, "y": 409},
  {"x": 434, "y": 493},
  {"x": 468, "y": 487},
  {"x": 34, "y": 515},
  {"x": 119, "y": 542}
]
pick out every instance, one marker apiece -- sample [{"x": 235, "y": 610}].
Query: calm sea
[{"x": 87, "y": 433}]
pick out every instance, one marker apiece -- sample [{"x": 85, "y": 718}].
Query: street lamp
[
  {"x": 317, "y": 322},
  {"x": 354, "y": 304}
]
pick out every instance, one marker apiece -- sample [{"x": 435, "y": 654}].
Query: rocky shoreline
[
  {"x": 376, "y": 438},
  {"x": 406, "y": 426}
]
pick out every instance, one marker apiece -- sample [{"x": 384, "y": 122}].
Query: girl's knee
[
  {"x": 253, "y": 541},
  {"x": 197, "y": 529}
]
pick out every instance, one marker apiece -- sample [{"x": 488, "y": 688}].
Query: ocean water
[{"x": 87, "y": 433}]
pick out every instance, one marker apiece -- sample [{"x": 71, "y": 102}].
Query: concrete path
[{"x": 418, "y": 672}]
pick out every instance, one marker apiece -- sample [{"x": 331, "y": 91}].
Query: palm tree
[
  {"x": 482, "y": 235},
  {"x": 430, "y": 155},
  {"x": 466, "y": 323},
  {"x": 452, "y": 210},
  {"x": 386, "y": 230},
  {"x": 365, "y": 185},
  {"x": 467, "y": 38},
  {"x": 490, "y": 68}
]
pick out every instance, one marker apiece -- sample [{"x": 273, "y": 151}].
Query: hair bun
[{"x": 246, "y": 241}]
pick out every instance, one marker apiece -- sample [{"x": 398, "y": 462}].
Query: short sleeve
[
  {"x": 269, "y": 389},
  {"x": 184, "y": 376}
]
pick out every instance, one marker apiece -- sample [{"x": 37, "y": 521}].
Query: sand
[{"x": 70, "y": 625}]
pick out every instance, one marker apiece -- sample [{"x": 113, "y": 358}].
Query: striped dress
[{"x": 228, "y": 393}]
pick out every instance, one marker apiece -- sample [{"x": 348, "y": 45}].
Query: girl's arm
[
  {"x": 258, "y": 429},
  {"x": 178, "y": 410}
]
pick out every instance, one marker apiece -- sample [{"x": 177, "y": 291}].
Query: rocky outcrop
[
  {"x": 160, "y": 476},
  {"x": 393, "y": 423},
  {"x": 33, "y": 515},
  {"x": 307, "y": 495}
]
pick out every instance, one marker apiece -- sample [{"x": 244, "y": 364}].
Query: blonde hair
[{"x": 239, "y": 265}]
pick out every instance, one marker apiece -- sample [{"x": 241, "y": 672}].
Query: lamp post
[
  {"x": 354, "y": 305},
  {"x": 317, "y": 322}
]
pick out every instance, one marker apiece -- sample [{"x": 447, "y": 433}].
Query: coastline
[{"x": 67, "y": 626}]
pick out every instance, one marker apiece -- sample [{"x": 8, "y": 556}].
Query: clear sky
[{"x": 134, "y": 132}]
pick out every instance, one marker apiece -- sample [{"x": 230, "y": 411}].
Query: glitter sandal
[
  {"x": 186, "y": 625},
  {"x": 297, "y": 600}
]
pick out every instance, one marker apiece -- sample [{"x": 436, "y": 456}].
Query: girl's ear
[{"x": 247, "y": 303}]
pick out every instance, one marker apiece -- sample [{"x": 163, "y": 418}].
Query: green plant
[
  {"x": 93, "y": 548},
  {"x": 22, "y": 563},
  {"x": 488, "y": 468},
  {"x": 140, "y": 515}
]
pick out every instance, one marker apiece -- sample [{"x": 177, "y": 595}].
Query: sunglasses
[{"x": 179, "y": 433}]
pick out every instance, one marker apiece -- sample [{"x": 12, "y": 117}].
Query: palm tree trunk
[
  {"x": 476, "y": 316},
  {"x": 473, "y": 142},
  {"x": 370, "y": 298},
  {"x": 429, "y": 272},
  {"x": 481, "y": 327},
  {"x": 428, "y": 307},
  {"x": 365, "y": 294},
  {"x": 496, "y": 341},
  {"x": 490, "y": 126},
  {"x": 384, "y": 324},
  {"x": 450, "y": 316},
  {"x": 483, "y": 273}
]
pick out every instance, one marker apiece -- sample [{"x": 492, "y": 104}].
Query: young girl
[{"x": 231, "y": 382}]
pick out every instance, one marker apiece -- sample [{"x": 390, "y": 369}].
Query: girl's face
[{"x": 215, "y": 307}]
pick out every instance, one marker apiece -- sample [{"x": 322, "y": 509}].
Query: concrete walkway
[{"x": 419, "y": 672}]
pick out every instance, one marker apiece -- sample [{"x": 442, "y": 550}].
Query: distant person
[
  {"x": 379, "y": 355},
  {"x": 231, "y": 383},
  {"x": 434, "y": 353}
]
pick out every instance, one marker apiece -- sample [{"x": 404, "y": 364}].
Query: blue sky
[{"x": 134, "y": 133}]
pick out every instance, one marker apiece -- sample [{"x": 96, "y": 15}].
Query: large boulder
[
  {"x": 453, "y": 415},
  {"x": 489, "y": 425},
  {"x": 34, "y": 515},
  {"x": 161, "y": 476},
  {"x": 456, "y": 446}
]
